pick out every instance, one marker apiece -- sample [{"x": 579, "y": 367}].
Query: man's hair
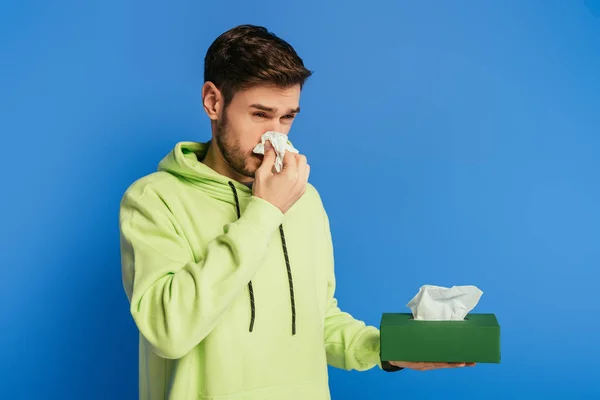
[{"x": 250, "y": 55}]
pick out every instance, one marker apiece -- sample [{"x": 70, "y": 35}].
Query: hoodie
[{"x": 232, "y": 298}]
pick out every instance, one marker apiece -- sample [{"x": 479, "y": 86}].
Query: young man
[{"x": 228, "y": 265}]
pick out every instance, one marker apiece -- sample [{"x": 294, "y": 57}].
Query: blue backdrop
[{"x": 453, "y": 143}]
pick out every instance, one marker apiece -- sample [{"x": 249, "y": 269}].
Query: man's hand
[
  {"x": 282, "y": 189},
  {"x": 426, "y": 366}
]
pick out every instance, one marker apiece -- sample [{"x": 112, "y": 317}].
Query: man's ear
[{"x": 212, "y": 100}]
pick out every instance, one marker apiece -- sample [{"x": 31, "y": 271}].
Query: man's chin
[{"x": 249, "y": 171}]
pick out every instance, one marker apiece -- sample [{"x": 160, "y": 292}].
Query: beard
[{"x": 232, "y": 152}]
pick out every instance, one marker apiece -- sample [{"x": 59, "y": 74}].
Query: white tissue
[
  {"x": 280, "y": 143},
  {"x": 437, "y": 303}
]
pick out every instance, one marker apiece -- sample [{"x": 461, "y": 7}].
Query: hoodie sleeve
[
  {"x": 176, "y": 301},
  {"x": 349, "y": 343}
]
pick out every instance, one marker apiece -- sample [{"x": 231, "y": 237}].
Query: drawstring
[
  {"x": 252, "y": 308},
  {"x": 291, "y": 282},
  {"x": 287, "y": 264}
]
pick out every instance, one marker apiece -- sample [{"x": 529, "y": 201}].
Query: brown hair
[{"x": 248, "y": 55}]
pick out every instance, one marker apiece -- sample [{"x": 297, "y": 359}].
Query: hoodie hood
[{"x": 184, "y": 161}]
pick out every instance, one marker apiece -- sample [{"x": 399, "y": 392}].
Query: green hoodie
[{"x": 232, "y": 298}]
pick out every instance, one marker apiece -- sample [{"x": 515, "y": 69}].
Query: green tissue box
[{"x": 474, "y": 339}]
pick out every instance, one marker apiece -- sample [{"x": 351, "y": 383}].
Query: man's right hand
[{"x": 282, "y": 189}]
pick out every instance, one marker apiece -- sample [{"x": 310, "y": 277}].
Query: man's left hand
[{"x": 426, "y": 366}]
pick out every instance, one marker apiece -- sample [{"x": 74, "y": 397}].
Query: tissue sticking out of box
[
  {"x": 437, "y": 303},
  {"x": 280, "y": 143}
]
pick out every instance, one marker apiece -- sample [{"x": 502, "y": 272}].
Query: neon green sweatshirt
[{"x": 232, "y": 298}]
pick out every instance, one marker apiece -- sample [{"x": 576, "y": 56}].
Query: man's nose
[{"x": 277, "y": 126}]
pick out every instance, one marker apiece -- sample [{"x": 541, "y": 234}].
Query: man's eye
[
  {"x": 289, "y": 116},
  {"x": 260, "y": 115}
]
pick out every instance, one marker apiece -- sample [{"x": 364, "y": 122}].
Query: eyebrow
[{"x": 272, "y": 109}]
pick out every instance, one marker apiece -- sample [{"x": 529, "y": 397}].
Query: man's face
[{"x": 251, "y": 113}]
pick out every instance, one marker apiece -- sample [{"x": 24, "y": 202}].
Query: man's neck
[{"x": 215, "y": 161}]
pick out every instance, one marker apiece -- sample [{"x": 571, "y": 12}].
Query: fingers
[
  {"x": 303, "y": 169},
  {"x": 307, "y": 173},
  {"x": 302, "y": 162},
  {"x": 430, "y": 366},
  {"x": 290, "y": 161},
  {"x": 268, "y": 159},
  {"x": 427, "y": 366}
]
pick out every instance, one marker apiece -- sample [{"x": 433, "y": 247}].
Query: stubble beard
[{"x": 232, "y": 153}]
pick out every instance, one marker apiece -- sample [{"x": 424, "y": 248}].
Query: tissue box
[{"x": 474, "y": 339}]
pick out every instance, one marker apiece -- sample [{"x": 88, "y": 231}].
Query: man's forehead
[{"x": 272, "y": 97}]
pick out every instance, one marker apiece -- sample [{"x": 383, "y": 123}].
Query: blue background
[{"x": 452, "y": 142}]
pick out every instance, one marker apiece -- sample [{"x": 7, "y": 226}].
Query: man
[{"x": 228, "y": 265}]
